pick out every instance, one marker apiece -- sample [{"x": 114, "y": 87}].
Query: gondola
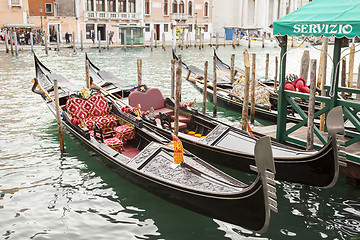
[
  {"x": 231, "y": 147},
  {"x": 146, "y": 158},
  {"x": 225, "y": 70},
  {"x": 232, "y": 103},
  {"x": 228, "y": 100}
]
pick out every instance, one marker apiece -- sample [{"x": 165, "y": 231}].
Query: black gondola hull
[{"x": 317, "y": 170}]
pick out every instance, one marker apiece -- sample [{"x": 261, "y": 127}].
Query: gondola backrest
[
  {"x": 96, "y": 105},
  {"x": 151, "y": 98}
]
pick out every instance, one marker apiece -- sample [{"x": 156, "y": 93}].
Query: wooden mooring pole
[
  {"x": 245, "y": 108},
  {"x": 249, "y": 39},
  {"x": 32, "y": 42},
  {"x": 233, "y": 40},
  {"x": 252, "y": 96},
  {"x": 172, "y": 91},
  {"x": 351, "y": 66},
  {"x": 152, "y": 40},
  {"x": 205, "y": 87},
  {"x": 178, "y": 95},
  {"x": 7, "y": 39},
  {"x": 11, "y": 42},
  {"x": 311, "y": 107},
  {"x": 107, "y": 40},
  {"x": 217, "y": 40},
  {"x": 304, "y": 67},
  {"x": 267, "y": 67},
  {"x": 58, "y": 116},
  {"x": 87, "y": 74},
  {"x": 99, "y": 38},
  {"x": 58, "y": 41},
  {"x": 16, "y": 44},
  {"x": 358, "y": 83},
  {"x": 125, "y": 38},
  {"x": 46, "y": 43},
  {"x": 139, "y": 71},
  {"x": 214, "y": 88},
  {"x": 343, "y": 75},
  {"x": 232, "y": 68},
  {"x": 322, "y": 78},
  {"x": 81, "y": 41},
  {"x": 276, "y": 73},
  {"x": 163, "y": 41},
  {"x": 73, "y": 40}
]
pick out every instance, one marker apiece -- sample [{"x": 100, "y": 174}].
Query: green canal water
[{"x": 46, "y": 195}]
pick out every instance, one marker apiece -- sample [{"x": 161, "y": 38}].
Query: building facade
[
  {"x": 251, "y": 13},
  {"x": 13, "y": 12},
  {"x": 188, "y": 18}
]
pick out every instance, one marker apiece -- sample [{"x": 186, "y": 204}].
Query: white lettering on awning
[{"x": 323, "y": 28}]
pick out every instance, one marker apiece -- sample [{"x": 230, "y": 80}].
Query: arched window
[
  {"x": 206, "y": 9},
  {"x": 174, "y": 7},
  {"x": 181, "y": 7},
  {"x": 190, "y": 8},
  {"x": 166, "y": 7},
  {"x": 147, "y": 7}
]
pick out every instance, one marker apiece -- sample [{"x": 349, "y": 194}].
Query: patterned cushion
[
  {"x": 106, "y": 122},
  {"x": 125, "y": 132},
  {"x": 96, "y": 105},
  {"x": 93, "y": 110},
  {"x": 115, "y": 144}
]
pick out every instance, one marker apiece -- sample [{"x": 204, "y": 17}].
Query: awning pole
[
  {"x": 282, "y": 103},
  {"x": 335, "y": 74}
]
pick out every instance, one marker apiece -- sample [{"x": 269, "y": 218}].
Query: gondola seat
[
  {"x": 107, "y": 138},
  {"x": 182, "y": 119},
  {"x": 150, "y": 98},
  {"x": 94, "y": 110},
  {"x": 124, "y": 132},
  {"x": 165, "y": 121}
]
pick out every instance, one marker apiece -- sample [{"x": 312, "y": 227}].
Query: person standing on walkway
[
  {"x": 67, "y": 37},
  {"x": 111, "y": 34},
  {"x": 93, "y": 37}
]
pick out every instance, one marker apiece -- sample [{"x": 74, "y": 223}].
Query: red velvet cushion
[
  {"x": 182, "y": 119},
  {"x": 163, "y": 110},
  {"x": 151, "y": 98}
]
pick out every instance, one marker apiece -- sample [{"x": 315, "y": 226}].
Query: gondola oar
[
  {"x": 116, "y": 98},
  {"x": 218, "y": 88}
]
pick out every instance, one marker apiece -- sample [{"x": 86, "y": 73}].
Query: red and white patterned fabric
[
  {"x": 93, "y": 110},
  {"x": 115, "y": 143},
  {"x": 124, "y": 132},
  {"x": 107, "y": 122}
]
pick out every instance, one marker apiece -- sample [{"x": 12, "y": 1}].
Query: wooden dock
[{"x": 352, "y": 170}]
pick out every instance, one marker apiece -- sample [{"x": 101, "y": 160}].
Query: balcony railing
[
  {"x": 180, "y": 16},
  {"x": 15, "y": 3},
  {"x": 112, "y": 15}
]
